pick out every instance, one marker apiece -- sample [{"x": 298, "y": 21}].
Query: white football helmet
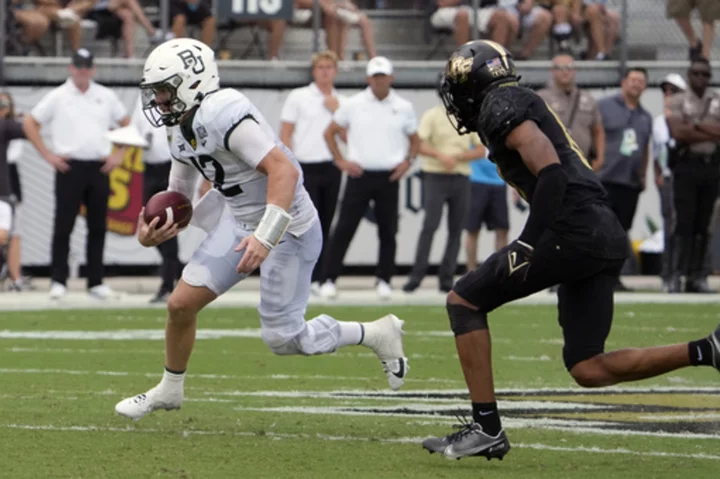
[{"x": 178, "y": 74}]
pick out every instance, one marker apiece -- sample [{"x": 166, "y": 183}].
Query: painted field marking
[{"x": 400, "y": 440}]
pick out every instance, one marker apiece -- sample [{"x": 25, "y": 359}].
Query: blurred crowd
[
  {"x": 374, "y": 138},
  {"x": 587, "y": 29}
]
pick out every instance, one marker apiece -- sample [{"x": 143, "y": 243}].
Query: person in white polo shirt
[
  {"x": 306, "y": 114},
  {"x": 78, "y": 114},
  {"x": 382, "y": 142},
  {"x": 156, "y": 159}
]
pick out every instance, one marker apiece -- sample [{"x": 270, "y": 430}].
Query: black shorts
[
  {"x": 109, "y": 25},
  {"x": 623, "y": 201},
  {"x": 194, "y": 17},
  {"x": 15, "y": 188},
  {"x": 585, "y": 295},
  {"x": 488, "y": 205}
]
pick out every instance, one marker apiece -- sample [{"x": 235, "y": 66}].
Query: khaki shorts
[{"x": 709, "y": 9}]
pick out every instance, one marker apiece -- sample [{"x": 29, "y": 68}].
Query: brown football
[{"x": 170, "y": 204}]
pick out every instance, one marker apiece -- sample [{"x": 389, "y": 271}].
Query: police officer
[
  {"x": 694, "y": 122},
  {"x": 577, "y": 109}
]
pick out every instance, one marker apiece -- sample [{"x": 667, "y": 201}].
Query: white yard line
[
  {"x": 323, "y": 437},
  {"x": 33, "y": 301}
]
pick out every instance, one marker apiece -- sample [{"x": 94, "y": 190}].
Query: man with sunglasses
[
  {"x": 693, "y": 118},
  {"x": 78, "y": 114}
]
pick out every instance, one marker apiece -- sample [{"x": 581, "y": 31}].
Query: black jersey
[{"x": 585, "y": 219}]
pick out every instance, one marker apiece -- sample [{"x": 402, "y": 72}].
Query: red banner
[{"x": 126, "y": 194}]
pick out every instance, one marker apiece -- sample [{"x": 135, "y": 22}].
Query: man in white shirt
[
  {"x": 79, "y": 113},
  {"x": 382, "y": 143},
  {"x": 306, "y": 114},
  {"x": 258, "y": 215},
  {"x": 156, "y": 160},
  {"x": 671, "y": 85}
]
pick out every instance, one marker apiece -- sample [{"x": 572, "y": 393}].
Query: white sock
[
  {"x": 172, "y": 380},
  {"x": 351, "y": 333}
]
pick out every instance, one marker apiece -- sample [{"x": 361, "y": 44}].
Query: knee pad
[
  {"x": 279, "y": 344},
  {"x": 464, "y": 320}
]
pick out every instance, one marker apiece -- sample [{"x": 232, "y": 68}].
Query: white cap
[
  {"x": 675, "y": 80},
  {"x": 379, "y": 66}
]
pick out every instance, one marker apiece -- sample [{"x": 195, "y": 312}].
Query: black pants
[
  {"x": 154, "y": 181},
  {"x": 373, "y": 186},
  {"x": 322, "y": 182},
  {"x": 695, "y": 191},
  {"x": 585, "y": 295},
  {"x": 84, "y": 184},
  {"x": 439, "y": 189}
]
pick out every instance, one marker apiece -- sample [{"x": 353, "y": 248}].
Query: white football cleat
[
  {"x": 138, "y": 406},
  {"x": 384, "y": 336}
]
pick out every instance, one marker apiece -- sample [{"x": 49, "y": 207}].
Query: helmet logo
[
  {"x": 458, "y": 68},
  {"x": 189, "y": 59}
]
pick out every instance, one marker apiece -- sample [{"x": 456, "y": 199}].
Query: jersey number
[
  {"x": 219, "y": 177},
  {"x": 573, "y": 146}
]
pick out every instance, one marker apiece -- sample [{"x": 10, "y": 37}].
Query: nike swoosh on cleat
[{"x": 400, "y": 374}]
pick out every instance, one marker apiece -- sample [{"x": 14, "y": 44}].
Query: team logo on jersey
[{"x": 189, "y": 60}]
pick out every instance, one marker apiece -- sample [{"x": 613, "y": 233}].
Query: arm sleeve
[
  {"x": 183, "y": 178},
  {"x": 546, "y": 202},
  {"x": 290, "y": 110},
  {"x": 249, "y": 141},
  {"x": 45, "y": 109}
]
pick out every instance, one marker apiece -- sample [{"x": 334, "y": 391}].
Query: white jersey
[{"x": 234, "y": 174}]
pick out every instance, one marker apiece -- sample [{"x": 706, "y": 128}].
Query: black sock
[
  {"x": 701, "y": 352},
  {"x": 486, "y": 414},
  {"x": 174, "y": 372}
]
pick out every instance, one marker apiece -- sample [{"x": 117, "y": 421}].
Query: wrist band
[{"x": 272, "y": 226}]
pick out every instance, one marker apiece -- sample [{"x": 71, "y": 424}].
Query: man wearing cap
[
  {"x": 382, "y": 142},
  {"x": 693, "y": 118},
  {"x": 78, "y": 115},
  {"x": 671, "y": 85}
]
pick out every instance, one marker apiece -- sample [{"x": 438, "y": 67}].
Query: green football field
[{"x": 250, "y": 414}]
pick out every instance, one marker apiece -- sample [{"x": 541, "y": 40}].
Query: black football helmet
[{"x": 471, "y": 71}]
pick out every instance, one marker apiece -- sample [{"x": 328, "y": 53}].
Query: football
[{"x": 169, "y": 204}]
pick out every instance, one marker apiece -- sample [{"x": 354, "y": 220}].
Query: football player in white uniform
[{"x": 258, "y": 215}]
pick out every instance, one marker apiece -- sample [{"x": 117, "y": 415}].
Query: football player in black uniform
[{"x": 571, "y": 238}]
